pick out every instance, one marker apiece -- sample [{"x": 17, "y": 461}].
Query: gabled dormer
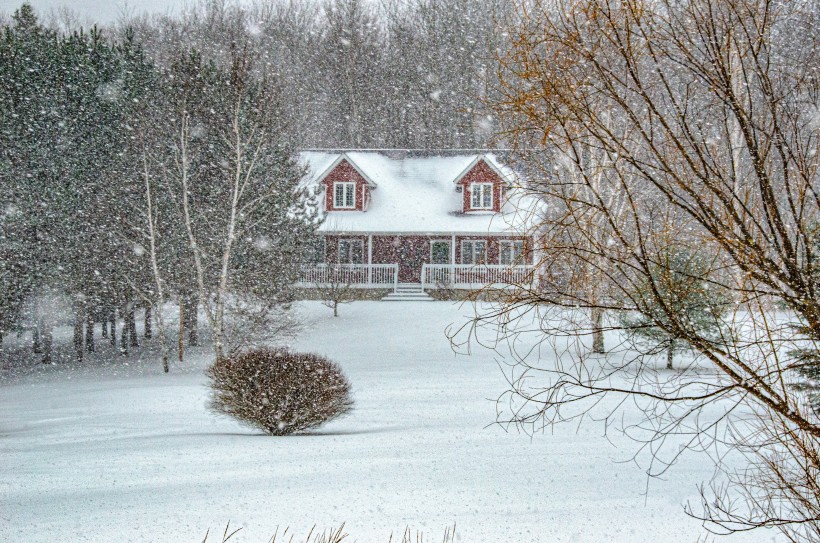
[
  {"x": 346, "y": 187},
  {"x": 482, "y": 185}
]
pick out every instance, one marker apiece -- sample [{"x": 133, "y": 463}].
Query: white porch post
[
  {"x": 370, "y": 259},
  {"x": 452, "y": 272}
]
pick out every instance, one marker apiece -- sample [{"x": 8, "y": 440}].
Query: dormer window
[
  {"x": 344, "y": 195},
  {"x": 482, "y": 195}
]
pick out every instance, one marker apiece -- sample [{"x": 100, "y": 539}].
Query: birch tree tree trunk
[
  {"x": 150, "y": 219},
  {"x": 234, "y": 186}
]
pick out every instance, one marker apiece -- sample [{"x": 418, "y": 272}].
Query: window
[
  {"x": 344, "y": 195},
  {"x": 473, "y": 252},
  {"x": 440, "y": 252},
  {"x": 351, "y": 251},
  {"x": 511, "y": 252},
  {"x": 316, "y": 251},
  {"x": 482, "y": 195}
]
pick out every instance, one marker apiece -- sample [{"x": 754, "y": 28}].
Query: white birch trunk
[
  {"x": 152, "y": 240},
  {"x": 183, "y": 166}
]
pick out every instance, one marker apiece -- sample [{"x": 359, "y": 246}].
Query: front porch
[{"x": 432, "y": 276}]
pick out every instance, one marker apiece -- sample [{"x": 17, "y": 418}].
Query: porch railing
[
  {"x": 353, "y": 275},
  {"x": 473, "y": 276}
]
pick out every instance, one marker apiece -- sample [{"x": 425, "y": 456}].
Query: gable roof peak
[
  {"x": 489, "y": 162},
  {"x": 343, "y": 156}
]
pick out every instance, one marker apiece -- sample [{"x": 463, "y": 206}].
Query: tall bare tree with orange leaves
[{"x": 653, "y": 126}]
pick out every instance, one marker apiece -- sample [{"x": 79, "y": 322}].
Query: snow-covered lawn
[{"x": 118, "y": 453}]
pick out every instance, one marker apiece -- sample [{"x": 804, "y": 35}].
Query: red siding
[
  {"x": 345, "y": 172},
  {"x": 482, "y": 173}
]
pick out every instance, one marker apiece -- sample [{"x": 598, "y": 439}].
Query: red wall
[
  {"x": 482, "y": 173},
  {"x": 344, "y": 172}
]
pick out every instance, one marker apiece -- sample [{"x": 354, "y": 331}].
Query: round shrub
[{"x": 279, "y": 391}]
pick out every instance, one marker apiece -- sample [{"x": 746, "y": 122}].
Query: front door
[{"x": 412, "y": 254}]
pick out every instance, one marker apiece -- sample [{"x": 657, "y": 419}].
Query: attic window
[
  {"x": 344, "y": 195},
  {"x": 482, "y": 195}
]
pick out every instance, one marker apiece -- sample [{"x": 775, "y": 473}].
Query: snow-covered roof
[
  {"x": 416, "y": 194},
  {"x": 319, "y": 174}
]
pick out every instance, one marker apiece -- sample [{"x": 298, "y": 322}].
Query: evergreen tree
[
  {"x": 678, "y": 290},
  {"x": 27, "y": 124},
  {"x": 807, "y": 358},
  {"x": 65, "y": 103}
]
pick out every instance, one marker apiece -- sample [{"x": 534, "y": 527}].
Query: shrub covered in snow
[{"x": 279, "y": 391}]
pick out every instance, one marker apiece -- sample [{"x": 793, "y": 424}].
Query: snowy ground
[{"x": 124, "y": 453}]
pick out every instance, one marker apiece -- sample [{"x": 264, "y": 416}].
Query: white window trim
[
  {"x": 351, "y": 241},
  {"x": 511, "y": 243},
  {"x": 483, "y": 187},
  {"x": 449, "y": 249},
  {"x": 472, "y": 251},
  {"x": 344, "y": 185}
]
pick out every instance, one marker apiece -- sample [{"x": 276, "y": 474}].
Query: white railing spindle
[
  {"x": 469, "y": 276},
  {"x": 356, "y": 275}
]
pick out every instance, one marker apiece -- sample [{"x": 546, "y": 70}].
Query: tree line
[
  {"x": 358, "y": 74},
  {"x": 126, "y": 183}
]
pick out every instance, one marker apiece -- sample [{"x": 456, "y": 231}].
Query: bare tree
[
  {"x": 701, "y": 117},
  {"x": 237, "y": 194},
  {"x": 151, "y": 217},
  {"x": 336, "y": 289}
]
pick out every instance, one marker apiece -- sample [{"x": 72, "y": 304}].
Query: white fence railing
[
  {"x": 354, "y": 275},
  {"x": 473, "y": 276}
]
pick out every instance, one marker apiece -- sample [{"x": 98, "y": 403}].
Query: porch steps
[{"x": 408, "y": 292}]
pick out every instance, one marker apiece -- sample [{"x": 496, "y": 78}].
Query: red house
[{"x": 411, "y": 221}]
